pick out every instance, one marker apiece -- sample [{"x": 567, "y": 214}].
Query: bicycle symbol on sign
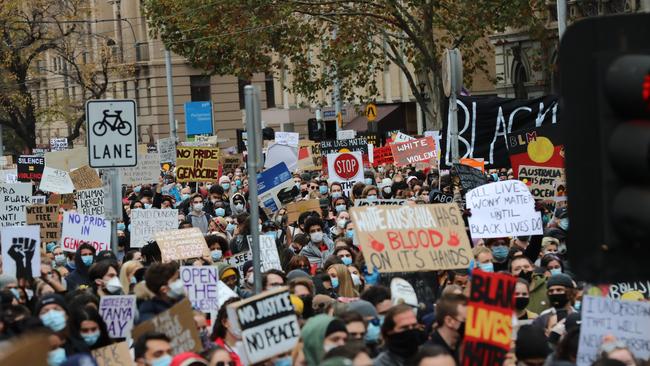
[{"x": 101, "y": 127}]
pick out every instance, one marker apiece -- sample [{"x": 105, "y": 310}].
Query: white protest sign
[
  {"x": 268, "y": 253},
  {"x": 628, "y": 321},
  {"x": 58, "y": 143},
  {"x": 9, "y": 175},
  {"x": 345, "y": 168},
  {"x": 77, "y": 229},
  {"x": 13, "y": 200},
  {"x": 258, "y": 317},
  {"x": 21, "y": 255},
  {"x": 167, "y": 150},
  {"x": 90, "y": 201},
  {"x": 402, "y": 292},
  {"x": 277, "y": 153},
  {"x": 39, "y": 200},
  {"x": 402, "y": 137},
  {"x": 201, "y": 286},
  {"x": 146, "y": 222},
  {"x": 146, "y": 172},
  {"x": 346, "y": 134},
  {"x": 118, "y": 313},
  {"x": 501, "y": 209},
  {"x": 287, "y": 138},
  {"x": 56, "y": 180},
  {"x": 238, "y": 260}
]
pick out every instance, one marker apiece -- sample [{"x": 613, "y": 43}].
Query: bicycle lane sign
[{"x": 112, "y": 133}]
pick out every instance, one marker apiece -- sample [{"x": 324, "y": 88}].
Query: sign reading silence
[
  {"x": 112, "y": 133},
  {"x": 198, "y": 118}
]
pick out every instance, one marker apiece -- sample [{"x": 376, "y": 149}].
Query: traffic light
[{"x": 605, "y": 113}]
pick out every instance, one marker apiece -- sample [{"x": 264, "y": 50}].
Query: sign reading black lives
[
  {"x": 335, "y": 146},
  {"x": 470, "y": 177},
  {"x": 30, "y": 168},
  {"x": 268, "y": 323}
]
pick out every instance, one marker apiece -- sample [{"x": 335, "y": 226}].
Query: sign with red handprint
[
  {"x": 411, "y": 237},
  {"x": 21, "y": 251}
]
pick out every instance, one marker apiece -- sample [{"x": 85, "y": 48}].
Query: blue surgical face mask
[
  {"x": 137, "y": 189},
  {"x": 230, "y": 227},
  {"x": 340, "y": 208},
  {"x": 372, "y": 197},
  {"x": 121, "y": 226},
  {"x": 148, "y": 205},
  {"x": 133, "y": 280},
  {"x": 322, "y": 189},
  {"x": 185, "y": 196},
  {"x": 577, "y": 305},
  {"x": 368, "y": 181},
  {"x": 59, "y": 259},
  {"x": 555, "y": 271},
  {"x": 272, "y": 234},
  {"x": 564, "y": 224},
  {"x": 216, "y": 254},
  {"x": 284, "y": 361},
  {"x": 225, "y": 186},
  {"x": 15, "y": 292},
  {"x": 90, "y": 338},
  {"x": 372, "y": 333},
  {"x": 87, "y": 260},
  {"x": 486, "y": 267},
  {"x": 336, "y": 195},
  {"x": 221, "y": 212},
  {"x": 335, "y": 282},
  {"x": 56, "y": 357},
  {"x": 500, "y": 253},
  {"x": 350, "y": 234},
  {"x": 165, "y": 360},
  {"x": 238, "y": 183},
  {"x": 54, "y": 319},
  {"x": 346, "y": 260}
]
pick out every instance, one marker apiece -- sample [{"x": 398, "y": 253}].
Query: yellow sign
[
  {"x": 339, "y": 119},
  {"x": 371, "y": 112}
]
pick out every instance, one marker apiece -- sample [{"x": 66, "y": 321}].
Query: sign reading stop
[{"x": 346, "y": 166}]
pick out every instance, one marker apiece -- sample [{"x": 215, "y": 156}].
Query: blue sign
[
  {"x": 272, "y": 177},
  {"x": 198, "y": 118}
]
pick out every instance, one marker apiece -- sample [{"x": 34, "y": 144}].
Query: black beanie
[
  {"x": 51, "y": 299},
  {"x": 560, "y": 279},
  {"x": 531, "y": 343},
  {"x": 335, "y": 325}
]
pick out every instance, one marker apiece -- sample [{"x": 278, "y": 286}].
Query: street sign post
[{"x": 112, "y": 133}]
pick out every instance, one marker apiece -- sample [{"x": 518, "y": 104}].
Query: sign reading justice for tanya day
[
  {"x": 501, "y": 209},
  {"x": 412, "y": 238}
]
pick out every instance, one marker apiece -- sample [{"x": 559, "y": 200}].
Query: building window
[
  {"x": 519, "y": 79},
  {"x": 242, "y": 97},
  {"x": 270, "y": 90},
  {"x": 200, "y": 88}
]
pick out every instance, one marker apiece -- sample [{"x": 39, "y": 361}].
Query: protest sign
[
  {"x": 167, "y": 150},
  {"x": 6, "y": 161},
  {"x": 201, "y": 286},
  {"x": 412, "y": 238},
  {"x": 47, "y": 217},
  {"x": 85, "y": 178},
  {"x": 501, "y": 209},
  {"x": 382, "y": 155},
  {"x": 275, "y": 187},
  {"x": 25, "y": 350},
  {"x": 336, "y": 146},
  {"x": 113, "y": 355},
  {"x": 269, "y": 257},
  {"x": 619, "y": 289},
  {"x": 13, "y": 200},
  {"x": 439, "y": 197},
  {"x": 146, "y": 222},
  {"x": 146, "y": 172},
  {"x": 470, "y": 178},
  {"x": 90, "y": 201},
  {"x": 268, "y": 323},
  {"x": 377, "y": 202},
  {"x": 401, "y": 292},
  {"x": 231, "y": 162},
  {"x": 346, "y": 134},
  {"x": 542, "y": 146},
  {"x": 309, "y": 156},
  {"x": 628, "y": 321},
  {"x": 402, "y": 137},
  {"x": 541, "y": 181},
  {"x": 238, "y": 261},
  {"x": 30, "y": 168},
  {"x": 276, "y": 154},
  {"x": 177, "y": 323},
  {"x": 488, "y": 326},
  {"x": 287, "y": 138},
  {"x": 181, "y": 244},
  {"x": 39, "y": 200},
  {"x": 477, "y": 163},
  {"x": 294, "y": 209},
  {"x": 197, "y": 164},
  {"x": 21, "y": 251},
  {"x": 9, "y": 175},
  {"x": 66, "y": 201},
  {"x": 346, "y": 169},
  {"x": 67, "y": 159},
  {"x": 58, "y": 143},
  {"x": 78, "y": 228},
  {"x": 118, "y": 312},
  {"x": 56, "y": 180},
  {"x": 413, "y": 151}
]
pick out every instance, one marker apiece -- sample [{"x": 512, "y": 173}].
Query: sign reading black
[
  {"x": 484, "y": 123},
  {"x": 30, "y": 168},
  {"x": 470, "y": 177}
]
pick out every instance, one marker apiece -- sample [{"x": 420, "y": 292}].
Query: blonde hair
[
  {"x": 127, "y": 270},
  {"x": 346, "y": 286},
  {"x": 478, "y": 250}
]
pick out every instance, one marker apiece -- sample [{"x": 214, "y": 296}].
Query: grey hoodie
[{"x": 313, "y": 253}]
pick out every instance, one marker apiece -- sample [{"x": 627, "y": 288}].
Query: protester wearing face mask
[
  {"x": 336, "y": 190},
  {"x": 339, "y": 229},
  {"x": 58, "y": 257},
  {"x": 83, "y": 259},
  {"x": 402, "y": 336},
  {"x": 552, "y": 265},
  {"x": 451, "y": 312},
  {"x": 224, "y": 183},
  {"x": 339, "y": 205},
  {"x": 197, "y": 216},
  {"x": 226, "y": 336},
  {"x": 320, "y": 334},
  {"x": 386, "y": 189},
  {"x": 561, "y": 293},
  {"x": 104, "y": 277},
  {"x": 341, "y": 281},
  {"x": 127, "y": 275},
  {"x": 483, "y": 259},
  {"x": 320, "y": 246},
  {"x": 522, "y": 299},
  {"x": 345, "y": 255},
  {"x": 238, "y": 204},
  {"x": 91, "y": 328},
  {"x": 522, "y": 267},
  {"x": 153, "y": 349},
  {"x": 163, "y": 280},
  {"x": 216, "y": 205},
  {"x": 499, "y": 248},
  {"x": 53, "y": 313},
  {"x": 549, "y": 246},
  {"x": 372, "y": 322}
]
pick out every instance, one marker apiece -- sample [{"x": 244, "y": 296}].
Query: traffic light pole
[{"x": 170, "y": 95}]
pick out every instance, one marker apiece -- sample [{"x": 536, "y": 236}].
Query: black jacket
[{"x": 150, "y": 308}]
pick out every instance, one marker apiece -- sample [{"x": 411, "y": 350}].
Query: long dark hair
[
  {"x": 219, "y": 330},
  {"x": 81, "y": 314}
]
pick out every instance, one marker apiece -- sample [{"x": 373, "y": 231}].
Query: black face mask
[
  {"x": 528, "y": 276},
  {"x": 406, "y": 343},
  {"x": 558, "y": 300},
  {"x": 521, "y": 302},
  {"x": 461, "y": 330}
]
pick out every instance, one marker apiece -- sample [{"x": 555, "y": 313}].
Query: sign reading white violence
[
  {"x": 118, "y": 313},
  {"x": 628, "y": 321},
  {"x": 501, "y": 209},
  {"x": 14, "y": 198},
  {"x": 268, "y": 324},
  {"x": 78, "y": 229},
  {"x": 90, "y": 201},
  {"x": 201, "y": 287},
  {"x": 145, "y": 223}
]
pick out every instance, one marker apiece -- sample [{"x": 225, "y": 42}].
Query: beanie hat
[
  {"x": 560, "y": 279},
  {"x": 531, "y": 343},
  {"x": 51, "y": 299},
  {"x": 336, "y": 325},
  {"x": 6, "y": 279},
  {"x": 227, "y": 273},
  {"x": 297, "y": 273},
  {"x": 364, "y": 308}
]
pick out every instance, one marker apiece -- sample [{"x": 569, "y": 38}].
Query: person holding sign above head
[{"x": 163, "y": 280}]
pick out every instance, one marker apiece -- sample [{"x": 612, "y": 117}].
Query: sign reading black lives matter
[
  {"x": 268, "y": 323},
  {"x": 335, "y": 146},
  {"x": 112, "y": 133}
]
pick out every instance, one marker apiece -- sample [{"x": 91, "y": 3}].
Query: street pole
[
  {"x": 253, "y": 129},
  {"x": 561, "y": 17},
  {"x": 455, "y": 65},
  {"x": 113, "y": 205},
  {"x": 170, "y": 95},
  {"x": 337, "y": 91}
]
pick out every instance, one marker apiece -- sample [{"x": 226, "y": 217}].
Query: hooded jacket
[
  {"x": 538, "y": 296},
  {"x": 313, "y": 336},
  {"x": 199, "y": 220},
  {"x": 235, "y": 210},
  {"x": 313, "y": 253},
  {"x": 79, "y": 276}
]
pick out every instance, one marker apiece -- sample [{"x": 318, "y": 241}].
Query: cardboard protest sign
[
  {"x": 400, "y": 137},
  {"x": 275, "y": 187},
  {"x": 39, "y": 200},
  {"x": 13, "y": 200},
  {"x": 439, "y": 197},
  {"x": 346, "y": 134},
  {"x": 197, "y": 164},
  {"x": 67, "y": 159},
  {"x": 541, "y": 181},
  {"x": 269, "y": 257},
  {"x": 30, "y": 168},
  {"x": 146, "y": 172},
  {"x": 309, "y": 156},
  {"x": 146, "y": 222},
  {"x": 628, "y": 321},
  {"x": 6, "y": 161},
  {"x": 268, "y": 323},
  {"x": 77, "y": 228},
  {"x": 90, "y": 201},
  {"x": 382, "y": 155},
  {"x": 177, "y": 323},
  {"x": 294, "y": 209},
  {"x": 113, "y": 355},
  {"x": 412, "y": 238},
  {"x": 25, "y": 350},
  {"x": 238, "y": 261},
  {"x": 167, "y": 150},
  {"x": 118, "y": 312},
  {"x": 58, "y": 143},
  {"x": 56, "y": 180},
  {"x": 379, "y": 202},
  {"x": 541, "y": 146},
  {"x": 85, "y": 178},
  {"x": 504, "y": 208},
  {"x": 231, "y": 162},
  {"x": 21, "y": 255},
  {"x": 413, "y": 151},
  {"x": 66, "y": 201},
  {"x": 181, "y": 244},
  {"x": 470, "y": 178},
  {"x": 488, "y": 326},
  {"x": 47, "y": 218},
  {"x": 345, "y": 168},
  {"x": 287, "y": 138},
  {"x": 201, "y": 286},
  {"x": 276, "y": 154}
]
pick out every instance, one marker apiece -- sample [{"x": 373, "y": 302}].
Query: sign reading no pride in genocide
[
  {"x": 412, "y": 238},
  {"x": 78, "y": 229},
  {"x": 197, "y": 164},
  {"x": 268, "y": 324}
]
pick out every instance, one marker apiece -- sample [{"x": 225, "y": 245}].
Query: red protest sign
[
  {"x": 382, "y": 155},
  {"x": 414, "y": 151},
  {"x": 488, "y": 327},
  {"x": 346, "y": 166}
]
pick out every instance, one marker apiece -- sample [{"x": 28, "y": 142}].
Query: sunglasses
[{"x": 224, "y": 363}]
